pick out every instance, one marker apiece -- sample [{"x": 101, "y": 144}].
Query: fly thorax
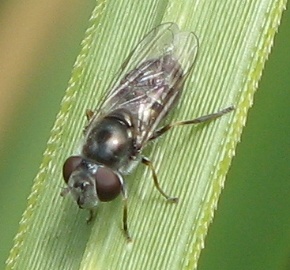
[{"x": 109, "y": 142}]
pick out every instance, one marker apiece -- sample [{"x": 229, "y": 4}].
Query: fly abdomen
[{"x": 154, "y": 72}]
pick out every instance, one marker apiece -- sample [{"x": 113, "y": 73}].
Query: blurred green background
[{"x": 251, "y": 229}]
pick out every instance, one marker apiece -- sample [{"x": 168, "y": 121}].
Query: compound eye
[
  {"x": 70, "y": 166},
  {"x": 108, "y": 184}
]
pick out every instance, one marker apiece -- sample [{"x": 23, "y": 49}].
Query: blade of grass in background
[
  {"x": 37, "y": 58},
  {"x": 251, "y": 228},
  {"x": 235, "y": 41}
]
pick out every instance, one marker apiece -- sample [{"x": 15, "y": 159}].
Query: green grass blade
[{"x": 192, "y": 162}]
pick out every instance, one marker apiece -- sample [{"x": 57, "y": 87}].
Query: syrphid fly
[{"x": 129, "y": 116}]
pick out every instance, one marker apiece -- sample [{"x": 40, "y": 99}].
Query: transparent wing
[{"x": 152, "y": 78}]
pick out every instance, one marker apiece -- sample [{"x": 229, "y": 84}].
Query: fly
[{"x": 128, "y": 118}]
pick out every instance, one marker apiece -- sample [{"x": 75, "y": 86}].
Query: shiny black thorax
[{"x": 110, "y": 141}]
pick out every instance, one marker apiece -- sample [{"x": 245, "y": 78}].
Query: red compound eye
[
  {"x": 70, "y": 166},
  {"x": 108, "y": 184}
]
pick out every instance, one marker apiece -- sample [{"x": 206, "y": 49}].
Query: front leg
[{"x": 89, "y": 115}]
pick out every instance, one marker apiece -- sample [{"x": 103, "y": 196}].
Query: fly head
[{"x": 89, "y": 182}]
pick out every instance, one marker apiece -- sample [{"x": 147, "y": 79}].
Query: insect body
[{"x": 129, "y": 116}]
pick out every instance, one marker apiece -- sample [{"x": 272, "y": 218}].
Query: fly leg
[
  {"x": 91, "y": 216},
  {"x": 125, "y": 214},
  {"x": 149, "y": 164},
  {"x": 198, "y": 120},
  {"x": 89, "y": 115}
]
